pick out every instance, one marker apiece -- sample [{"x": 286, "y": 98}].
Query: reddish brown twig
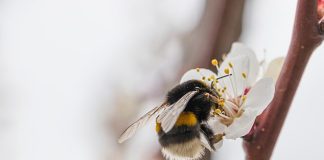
[{"x": 305, "y": 39}]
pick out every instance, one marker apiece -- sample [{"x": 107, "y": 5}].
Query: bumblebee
[{"x": 181, "y": 121}]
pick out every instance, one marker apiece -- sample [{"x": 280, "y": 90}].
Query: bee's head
[
  {"x": 201, "y": 87},
  {"x": 192, "y": 85},
  {"x": 203, "y": 101}
]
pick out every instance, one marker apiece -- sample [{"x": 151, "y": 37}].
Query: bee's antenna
[{"x": 224, "y": 76}]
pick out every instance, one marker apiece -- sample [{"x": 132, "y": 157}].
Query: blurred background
[{"x": 75, "y": 73}]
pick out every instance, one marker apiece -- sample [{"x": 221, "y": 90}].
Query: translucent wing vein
[
  {"x": 131, "y": 130},
  {"x": 170, "y": 115}
]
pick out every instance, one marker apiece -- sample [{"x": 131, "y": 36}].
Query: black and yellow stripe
[{"x": 185, "y": 119}]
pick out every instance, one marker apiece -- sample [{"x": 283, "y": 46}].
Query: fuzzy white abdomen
[{"x": 191, "y": 150}]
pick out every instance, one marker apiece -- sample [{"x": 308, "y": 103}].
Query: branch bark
[{"x": 305, "y": 39}]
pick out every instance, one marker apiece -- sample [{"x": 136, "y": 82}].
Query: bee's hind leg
[
  {"x": 207, "y": 131},
  {"x": 208, "y": 136}
]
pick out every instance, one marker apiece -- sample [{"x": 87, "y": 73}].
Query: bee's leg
[
  {"x": 207, "y": 131},
  {"x": 209, "y": 134},
  {"x": 213, "y": 139}
]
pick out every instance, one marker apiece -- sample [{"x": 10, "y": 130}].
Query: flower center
[
  {"x": 231, "y": 103},
  {"x": 229, "y": 110}
]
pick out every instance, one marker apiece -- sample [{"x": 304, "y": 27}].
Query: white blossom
[{"x": 243, "y": 96}]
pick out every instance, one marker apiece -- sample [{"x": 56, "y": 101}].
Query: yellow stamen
[
  {"x": 221, "y": 102},
  {"x": 244, "y": 75},
  {"x": 203, "y": 78},
  {"x": 212, "y": 77},
  {"x": 198, "y": 69},
  {"x": 226, "y": 71},
  {"x": 230, "y": 64},
  {"x": 208, "y": 79},
  {"x": 244, "y": 98},
  {"x": 214, "y": 62},
  {"x": 218, "y": 111}
]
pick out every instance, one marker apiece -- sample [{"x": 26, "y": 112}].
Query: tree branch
[{"x": 305, "y": 39}]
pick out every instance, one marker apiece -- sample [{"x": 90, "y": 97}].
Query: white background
[{"x": 60, "y": 62}]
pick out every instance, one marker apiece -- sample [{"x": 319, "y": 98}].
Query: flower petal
[
  {"x": 238, "y": 49},
  {"x": 235, "y": 84},
  {"x": 260, "y": 95},
  {"x": 274, "y": 68},
  {"x": 216, "y": 125},
  {"x": 193, "y": 74},
  {"x": 218, "y": 145},
  {"x": 241, "y": 125},
  {"x": 253, "y": 64},
  {"x": 217, "y": 128}
]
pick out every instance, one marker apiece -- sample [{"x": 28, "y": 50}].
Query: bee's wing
[
  {"x": 131, "y": 130},
  {"x": 170, "y": 115}
]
